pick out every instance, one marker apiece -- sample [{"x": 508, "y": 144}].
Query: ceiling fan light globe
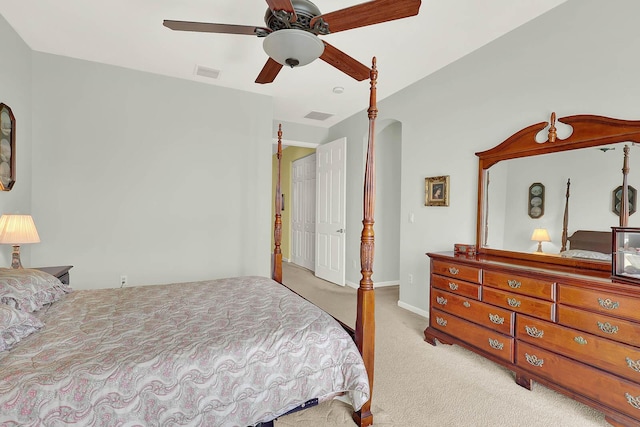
[{"x": 290, "y": 45}]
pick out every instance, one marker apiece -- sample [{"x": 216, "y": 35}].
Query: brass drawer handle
[
  {"x": 441, "y": 300},
  {"x": 495, "y": 344},
  {"x": 534, "y": 332},
  {"x": 453, "y": 286},
  {"x": 496, "y": 319},
  {"x": 608, "y": 304},
  {"x": 607, "y": 328},
  {"x": 453, "y": 270},
  {"x": 633, "y": 364},
  {"x": 514, "y": 284},
  {"x": 533, "y": 360},
  {"x": 580, "y": 340},
  {"x": 466, "y": 304},
  {"x": 633, "y": 401},
  {"x": 440, "y": 321},
  {"x": 513, "y": 302}
]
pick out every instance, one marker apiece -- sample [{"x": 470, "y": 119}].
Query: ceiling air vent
[
  {"x": 316, "y": 115},
  {"x": 207, "y": 72}
]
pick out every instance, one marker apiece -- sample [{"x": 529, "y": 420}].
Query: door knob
[{"x": 340, "y": 231}]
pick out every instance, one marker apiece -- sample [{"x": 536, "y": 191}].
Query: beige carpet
[{"x": 419, "y": 385}]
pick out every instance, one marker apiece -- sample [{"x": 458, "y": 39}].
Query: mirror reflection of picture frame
[
  {"x": 7, "y": 148},
  {"x": 616, "y": 199},
  {"x": 535, "y": 208},
  {"x": 436, "y": 191}
]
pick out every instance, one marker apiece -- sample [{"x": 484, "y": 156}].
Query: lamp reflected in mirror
[{"x": 540, "y": 235}]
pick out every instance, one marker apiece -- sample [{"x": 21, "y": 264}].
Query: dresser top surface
[{"x": 572, "y": 276}]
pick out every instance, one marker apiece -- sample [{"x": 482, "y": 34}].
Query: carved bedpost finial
[
  {"x": 552, "y": 130},
  {"x": 373, "y": 76}
]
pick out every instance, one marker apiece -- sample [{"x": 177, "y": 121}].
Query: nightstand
[{"x": 61, "y": 272}]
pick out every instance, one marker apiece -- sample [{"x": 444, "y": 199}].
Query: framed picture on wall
[
  {"x": 7, "y": 148},
  {"x": 535, "y": 209},
  {"x": 436, "y": 191},
  {"x": 616, "y": 200}
]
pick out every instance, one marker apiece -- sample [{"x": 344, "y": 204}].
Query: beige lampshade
[
  {"x": 540, "y": 235},
  {"x": 18, "y": 230}
]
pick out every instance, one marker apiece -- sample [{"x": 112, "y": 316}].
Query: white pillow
[
  {"x": 15, "y": 325},
  {"x": 580, "y": 253}
]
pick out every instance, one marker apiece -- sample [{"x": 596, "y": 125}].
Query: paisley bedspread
[{"x": 229, "y": 352}]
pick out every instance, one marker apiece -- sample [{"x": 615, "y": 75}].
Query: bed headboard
[{"x": 588, "y": 240}]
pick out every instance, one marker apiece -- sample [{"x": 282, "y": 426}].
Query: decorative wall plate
[
  {"x": 7, "y": 148},
  {"x": 535, "y": 208}
]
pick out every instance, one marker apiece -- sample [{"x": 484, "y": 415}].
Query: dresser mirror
[{"x": 579, "y": 169}]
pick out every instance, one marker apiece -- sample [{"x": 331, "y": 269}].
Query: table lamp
[
  {"x": 17, "y": 230},
  {"x": 540, "y": 235}
]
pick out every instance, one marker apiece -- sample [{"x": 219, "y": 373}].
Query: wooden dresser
[{"x": 575, "y": 333}]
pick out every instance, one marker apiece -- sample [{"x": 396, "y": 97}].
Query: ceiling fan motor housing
[{"x": 305, "y": 12}]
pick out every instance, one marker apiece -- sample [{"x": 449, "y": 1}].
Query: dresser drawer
[
  {"x": 486, "y": 315},
  {"x": 470, "y": 290},
  {"x": 485, "y": 339},
  {"x": 538, "y": 288},
  {"x": 620, "y": 359},
  {"x": 608, "y": 389},
  {"x": 520, "y": 303},
  {"x": 600, "y": 301},
  {"x": 600, "y": 324},
  {"x": 458, "y": 271}
]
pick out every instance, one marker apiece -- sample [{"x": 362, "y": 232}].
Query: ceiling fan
[{"x": 292, "y": 29}]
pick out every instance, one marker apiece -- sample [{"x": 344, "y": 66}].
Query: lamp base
[
  {"x": 539, "y": 247},
  {"x": 15, "y": 257}
]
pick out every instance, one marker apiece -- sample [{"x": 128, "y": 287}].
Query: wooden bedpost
[
  {"x": 276, "y": 268},
  {"x": 365, "y": 320},
  {"x": 624, "y": 203},
  {"x": 565, "y": 220}
]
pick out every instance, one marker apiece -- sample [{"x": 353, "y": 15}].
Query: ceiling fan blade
[
  {"x": 206, "y": 27},
  {"x": 284, "y": 5},
  {"x": 344, "y": 62},
  {"x": 373, "y": 12},
  {"x": 269, "y": 72}
]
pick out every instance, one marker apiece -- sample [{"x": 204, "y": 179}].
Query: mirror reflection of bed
[
  {"x": 593, "y": 174},
  {"x": 588, "y": 244}
]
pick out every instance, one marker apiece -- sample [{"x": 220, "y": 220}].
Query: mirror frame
[{"x": 588, "y": 131}]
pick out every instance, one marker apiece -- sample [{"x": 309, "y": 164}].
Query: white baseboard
[
  {"x": 352, "y": 285},
  {"x": 413, "y": 309}
]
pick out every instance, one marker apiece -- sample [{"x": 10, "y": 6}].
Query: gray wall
[
  {"x": 148, "y": 176},
  {"x": 15, "y": 91},
  {"x": 580, "y": 58}
]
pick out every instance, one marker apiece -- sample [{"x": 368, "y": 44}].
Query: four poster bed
[{"x": 239, "y": 351}]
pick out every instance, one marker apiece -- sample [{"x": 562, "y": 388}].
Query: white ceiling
[{"x": 130, "y": 34}]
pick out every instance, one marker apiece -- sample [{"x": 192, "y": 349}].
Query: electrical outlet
[
  {"x": 123, "y": 281},
  {"x": 411, "y": 279}
]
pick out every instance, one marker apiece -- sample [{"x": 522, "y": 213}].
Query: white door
[
  {"x": 303, "y": 215},
  {"x": 331, "y": 164}
]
